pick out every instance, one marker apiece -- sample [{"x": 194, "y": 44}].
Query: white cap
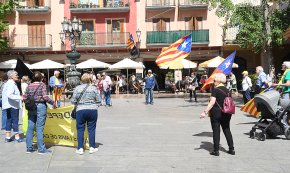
[
  {"x": 286, "y": 63},
  {"x": 149, "y": 71}
]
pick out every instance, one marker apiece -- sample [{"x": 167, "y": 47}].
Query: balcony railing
[
  {"x": 191, "y": 4},
  {"x": 252, "y": 2},
  {"x": 112, "y": 39},
  {"x": 25, "y": 41},
  {"x": 32, "y": 7},
  {"x": 100, "y": 7},
  {"x": 231, "y": 34},
  {"x": 169, "y": 37},
  {"x": 159, "y": 4}
]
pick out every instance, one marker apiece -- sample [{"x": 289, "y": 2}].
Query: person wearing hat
[
  {"x": 149, "y": 86},
  {"x": 246, "y": 86},
  {"x": 285, "y": 80}
]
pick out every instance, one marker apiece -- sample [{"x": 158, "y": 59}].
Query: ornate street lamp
[
  {"x": 72, "y": 30},
  {"x": 138, "y": 33}
]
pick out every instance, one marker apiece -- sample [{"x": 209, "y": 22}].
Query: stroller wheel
[
  {"x": 262, "y": 136},
  {"x": 252, "y": 134},
  {"x": 287, "y": 133}
]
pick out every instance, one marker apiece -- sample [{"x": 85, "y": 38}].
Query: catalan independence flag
[
  {"x": 177, "y": 51},
  {"x": 130, "y": 42},
  {"x": 251, "y": 108},
  {"x": 225, "y": 67}
]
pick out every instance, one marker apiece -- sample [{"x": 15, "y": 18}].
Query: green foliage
[
  {"x": 252, "y": 33},
  {"x": 5, "y": 9},
  {"x": 251, "y": 26},
  {"x": 170, "y": 76}
]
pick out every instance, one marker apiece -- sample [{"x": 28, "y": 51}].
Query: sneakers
[
  {"x": 19, "y": 140},
  {"x": 44, "y": 152},
  {"x": 28, "y": 151},
  {"x": 80, "y": 151},
  {"x": 8, "y": 140},
  {"x": 93, "y": 150}
]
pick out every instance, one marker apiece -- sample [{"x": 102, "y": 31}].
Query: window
[
  {"x": 162, "y": 24},
  {"x": 88, "y": 26},
  {"x": 115, "y": 31},
  {"x": 193, "y": 23}
]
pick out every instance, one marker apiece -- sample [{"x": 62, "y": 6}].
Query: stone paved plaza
[{"x": 165, "y": 137}]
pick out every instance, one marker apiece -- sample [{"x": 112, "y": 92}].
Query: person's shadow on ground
[{"x": 208, "y": 146}]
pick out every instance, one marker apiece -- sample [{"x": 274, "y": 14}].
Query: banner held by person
[
  {"x": 59, "y": 128},
  {"x": 225, "y": 67}
]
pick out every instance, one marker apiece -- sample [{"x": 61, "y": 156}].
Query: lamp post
[
  {"x": 138, "y": 33},
  {"x": 72, "y": 30}
]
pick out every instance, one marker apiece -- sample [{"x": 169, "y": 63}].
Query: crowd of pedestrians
[{"x": 96, "y": 90}]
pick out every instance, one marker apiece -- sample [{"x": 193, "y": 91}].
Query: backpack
[
  {"x": 30, "y": 102},
  {"x": 229, "y": 105}
]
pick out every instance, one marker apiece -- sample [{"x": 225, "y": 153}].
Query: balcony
[
  {"x": 28, "y": 42},
  {"x": 158, "y": 38},
  {"x": 188, "y": 4},
  {"x": 251, "y": 2},
  {"x": 108, "y": 6},
  {"x": 160, "y": 4},
  {"x": 33, "y": 7},
  {"x": 104, "y": 39},
  {"x": 231, "y": 35}
]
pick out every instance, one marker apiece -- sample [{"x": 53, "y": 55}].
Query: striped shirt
[{"x": 40, "y": 95}]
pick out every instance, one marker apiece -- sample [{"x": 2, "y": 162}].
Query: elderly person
[
  {"x": 12, "y": 102},
  {"x": 149, "y": 86},
  {"x": 55, "y": 81},
  {"x": 25, "y": 81},
  {"x": 86, "y": 113},
  {"x": 217, "y": 117},
  {"x": 37, "y": 117},
  {"x": 261, "y": 81},
  {"x": 246, "y": 86},
  {"x": 285, "y": 80},
  {"x": 107, "y": 82},
  {"x": 4, "y": 112}
]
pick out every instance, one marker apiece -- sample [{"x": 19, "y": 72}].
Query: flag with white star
[
  {"x": 225, "y": 67},
  {"x": 176, "y": 51}
]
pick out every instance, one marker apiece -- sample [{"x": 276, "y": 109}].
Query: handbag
[
  {"x": 30, "y": 104},
  {"x": 74, "y": 111},
  {"x": 229, "y": 105}
]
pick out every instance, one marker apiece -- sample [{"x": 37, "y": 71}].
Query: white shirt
[
  {"x": 107, "y": 82},
  {"x": 246, "y": 83},
  {"x": 11, "y": 96}
]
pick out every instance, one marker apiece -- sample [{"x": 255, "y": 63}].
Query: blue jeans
[
  {"x": 37, "y": 118},
  {"x": 149, "y": 91},
  {"x": 108, "y": 97},
  {"x": 246, "y": 96},
  {"x": 12, "y": 120},
  {"x": 90, "y": 118},
  {"x": 4, "y": 116}
]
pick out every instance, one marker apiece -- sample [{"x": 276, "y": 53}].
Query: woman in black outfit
[{"x": 217, "y": 117}]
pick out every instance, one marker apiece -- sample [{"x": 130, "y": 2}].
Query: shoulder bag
[
  {"x": 30, "y": 104},
  {"x": 229, "y": 105},
  {"x": 74, "y": 111}
]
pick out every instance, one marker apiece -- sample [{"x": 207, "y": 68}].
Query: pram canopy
[{"x": 268, "y": 100}]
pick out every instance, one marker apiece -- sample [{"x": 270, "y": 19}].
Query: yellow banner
[{"x": 59, "y": 128}]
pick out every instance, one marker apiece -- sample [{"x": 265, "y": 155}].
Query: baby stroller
[{"x": 275, "y": 116}]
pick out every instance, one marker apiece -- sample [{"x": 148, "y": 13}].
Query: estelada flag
[
  {"x": 177, "y": 51},
  {"x": 131, "y": 46},
  {"x": 250, "y": 106},
  {"x": 225, "y": 67}
]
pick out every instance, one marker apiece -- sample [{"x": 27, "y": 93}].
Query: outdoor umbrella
[
  {"x": 215, "y": 62},
  {"x": 127, "y": 64},
  {"x": 92, "y": 63},
  {"x": 47, "y": 64},
  {"x": 10, "y": 64},
  {"x": 184, "y": 63}
]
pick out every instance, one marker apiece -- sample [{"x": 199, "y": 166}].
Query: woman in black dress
[{"x": 217, "y": 117}]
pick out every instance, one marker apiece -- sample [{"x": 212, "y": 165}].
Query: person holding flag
[
  {"x": 285, "y": 80},
  {"x": 56, "y": 86},
  {"x": 217, "y": 116}
]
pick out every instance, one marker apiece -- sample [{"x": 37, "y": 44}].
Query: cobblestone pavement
[{"x": 165, "y": 137}]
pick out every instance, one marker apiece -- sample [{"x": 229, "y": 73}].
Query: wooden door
[{"x": 36, "y": 34}]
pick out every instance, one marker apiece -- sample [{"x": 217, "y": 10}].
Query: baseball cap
[{"x": 149, "y": 71}]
